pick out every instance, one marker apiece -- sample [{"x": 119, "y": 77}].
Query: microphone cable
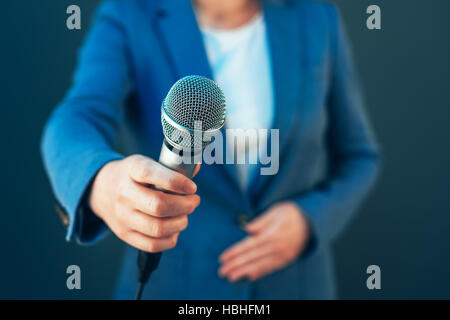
[{"x": 147, "y": 263}]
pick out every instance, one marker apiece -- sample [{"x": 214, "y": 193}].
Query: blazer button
[
  {"x": 242, "y": 220},
  {"x": 62, "y": 215}
]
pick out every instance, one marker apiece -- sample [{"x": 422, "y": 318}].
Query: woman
[{"x": 282, "y": 64}]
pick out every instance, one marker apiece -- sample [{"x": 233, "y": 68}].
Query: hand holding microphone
[
  {"x": 143, "y": 217},
  {"x": 144, "y": 202}
]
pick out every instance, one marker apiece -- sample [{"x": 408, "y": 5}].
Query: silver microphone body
[{"x": 172, "y": 160}]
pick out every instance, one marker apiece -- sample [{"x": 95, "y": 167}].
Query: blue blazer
[{"x": 132, "y": 55}]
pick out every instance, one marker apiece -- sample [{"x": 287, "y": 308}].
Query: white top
[{"x": 240, "y": 62}]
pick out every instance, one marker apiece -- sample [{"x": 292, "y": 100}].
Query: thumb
[{"x": 259, "y": 223}]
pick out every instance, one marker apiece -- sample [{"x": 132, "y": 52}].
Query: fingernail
[{"x": 189, "y": 186}]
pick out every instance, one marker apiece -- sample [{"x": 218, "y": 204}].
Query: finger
[
  {"x": 256, "y": 269},
  {"x": 241, "y": 260},
  {"x": 147, "y": 171},
  {"x": 247, "y": 244},
  {"x": 259, "y": 223},
  {"x": 197, "y": 169},
  {"x": 149, "y": 244},
  {"x": 160, "y": 204},
  {"x": 156, "y": 227}
]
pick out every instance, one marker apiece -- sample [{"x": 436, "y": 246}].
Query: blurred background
[{"x": 404, "y": 227}]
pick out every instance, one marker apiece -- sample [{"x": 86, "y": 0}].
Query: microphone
[{"x": 192, "y": 101}]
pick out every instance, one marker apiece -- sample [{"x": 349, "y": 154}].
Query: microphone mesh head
[{"x": 192, "y": 99}]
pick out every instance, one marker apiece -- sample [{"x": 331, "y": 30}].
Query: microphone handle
[
  {"x": 147, "y": 262},
  {"x": 171, "y": 158}
]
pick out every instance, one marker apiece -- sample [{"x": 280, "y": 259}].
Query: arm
[
  {"x": 353, "y": 150},
  {"x": 97, "y": 186},
  {"x": 80, "y": 135}
]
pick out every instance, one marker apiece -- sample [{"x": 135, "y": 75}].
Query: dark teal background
[{"x": 404, "y": 227}]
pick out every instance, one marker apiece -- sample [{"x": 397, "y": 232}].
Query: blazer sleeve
[
  {"x": 80, "y": 135},
  {"x": 354, "y": 154}
]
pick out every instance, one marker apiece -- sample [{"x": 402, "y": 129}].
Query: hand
[
  {"x": 145, "y": 218},
  {"x": 276, "y": 238}
]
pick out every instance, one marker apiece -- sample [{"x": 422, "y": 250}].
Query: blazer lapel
[
  {"x": 182, "y": 38},
  {"x": 285, "y": 45}
]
